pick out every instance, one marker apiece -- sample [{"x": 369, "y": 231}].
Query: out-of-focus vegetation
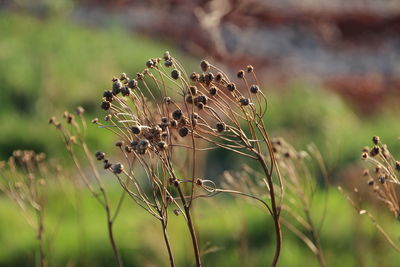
[
  {"x": 230, "y": 230},
  {"x": 48, "y": 65}
]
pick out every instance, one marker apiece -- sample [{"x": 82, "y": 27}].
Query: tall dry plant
[
  {"x": 24, "y": 179},
  {"x": 299, "y": 171},
  {"x": 165, "y": 118},
  {"x": 73, "y": 133},
  {"x": 381, "y": 176}
]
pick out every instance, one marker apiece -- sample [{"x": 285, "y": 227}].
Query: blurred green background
[{"x": 49, "y": 64}]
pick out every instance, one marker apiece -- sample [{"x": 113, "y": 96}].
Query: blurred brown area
[{"x": 351, "y": 47}]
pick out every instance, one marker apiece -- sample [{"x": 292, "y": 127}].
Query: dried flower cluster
[
  {"x": 164, "y": 118},
  {"x": 23, "y": 178}
]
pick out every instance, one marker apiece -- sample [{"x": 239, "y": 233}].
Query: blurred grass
[{"x": 79, "y": 235}]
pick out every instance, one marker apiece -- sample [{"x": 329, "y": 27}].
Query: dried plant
[
  {"x": 73, "y": 133},
  {"x": 164, "y": 118},
  {"x": 24, "y": 179},
  {"x": 381, "y": 178},
  {"x": 298, "y": 171}
]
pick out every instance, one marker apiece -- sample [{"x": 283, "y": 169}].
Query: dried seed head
[
  {"x": 52, "y": 120},
  {"x": 376, "y": 140},
  {"x": 108, "y": 95},
  {"x": 213, "y": 90},
  {"x": 364, "y": 155},
  {"x": 70, "y": 118},
  {"x": 162, "y": 145},
  {"x": 378, "y": 168},
  {"x": 205, "y": 66},
  {"x": 107, "y": 117},
  {"x": 240, "y": 74},
  {"x": 199, "y": 181},
  {"x": 374, "y": 151},
  {"x": 221, "y": 127},
  {"x": 107, "y": 164},
  {"x": 164, "y": 120},
  {"x": 166, "y": 55},
  {"x": 382, "y": 179},
  {"x": 200, "y": 106},
  {"x": 100, "y": 155},
  {"x": 177, "y": 114},
  {"x": 194, "y": 76},
  {"x": 118, "y": 168},
  {"x": 79, "y": 110},
  {"x": 184, "y": 131},
  {"x": 193, "y": 90},
  {"x": 136, "y": 129},
  {"x": 128, "y": 149},
  {"x": 231, "y": 87},
  {"x": 119, "y": 143},
  {"x": 139, "y": 76},
  {"x": 370, "y": 182},
  {"x": 105, "y": 105},
  {"x": 168, "y": 63},
  {"x": 116, "y": 87},
  {"x": 132, "y": 84},
  {"x": 250, "y": 68},
  {"x": 167, "y": 100},
  {"x": 397, "y": 166},
  {"x": 150, "y": 63},
  {"x": 254, "y": 89},
  {"x": 189, "y": 99},
  {"x": 123, "y": 76},
  {"x": 218, "y": 77},
  {"x": 125, "y": 91},
  {"x": 208, "y": 78},
  {"x": 134, "y": 144},
  {"x": 175, "y": 74},
  {"x": 173, "y": 123},
  {"x": 244, "y": 101},
  {"x": 95, "y": 120}
]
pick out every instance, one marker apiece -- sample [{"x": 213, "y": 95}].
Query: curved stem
[{"x": 167, "y": 243}]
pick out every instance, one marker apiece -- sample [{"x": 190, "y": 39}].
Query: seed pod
[
  {"x": 213, "y": 90},
  {"x": 199, "y": 181},
  {"x": 189, "y": 99},
  {"x": 125, "y": 91},
  {"x": 194, "y": 76},
  {"x": 168, "y": 63},
  {"x": 150, "y": 63},
  {"x": 193, "y": 90},
  {"x": 370, "y": 182},
  {"x": 205, "y": 66},
  {"x": 221, "y": 127},
  {"x": 136, "y": 129},
  {"x": 173, "y": 123},
  {"x": 107, "y": 117},
  {"x": 175, "y": 74},
  {"x": 244, "y": 101},
  {"x": 70, "y": 118},
  {"x": 118, "y": 168},
  {"x": 116, "y": 88},
  {"x": 139, "y": 76},
  {"x": 108, "y": 95},
  {"x": 105, "y": 105},
  {"x": 95, "y": 120},
  {"x": 240, "y": 74},
  {"x": 119, "y": 143},
  {"x": 184, "y": 131},
  {"x": 231, "y": 87},
  {"x": 376, "y": 140},
  {"x": 374, "y": 151},
  {"x": 200, "y": 106},
  {"x": 164, "y": 120},
  {"x": 132, "y": 84},
  {"x": 397, "y": 166},
  {"x": 79, "y": 110},
  {"x": 254, "y": 89},
  {"x": 107, "y": 164},
  {"x": 128, "y": 149},
  {"x": 134, "y": 144},
  {"x": 364, "y": 155},
  {"x": 100, "y": 155},
  {"x": 208, "y": 78},
  {"x": 166, "y": 55},
  {"x": 177, "y": 114},
  {"x": 250, "y": 68},
  {"x": 218, "y": 77},
  {"x": 167, "y": 100},
  {"x": 162, "y": 145}
]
